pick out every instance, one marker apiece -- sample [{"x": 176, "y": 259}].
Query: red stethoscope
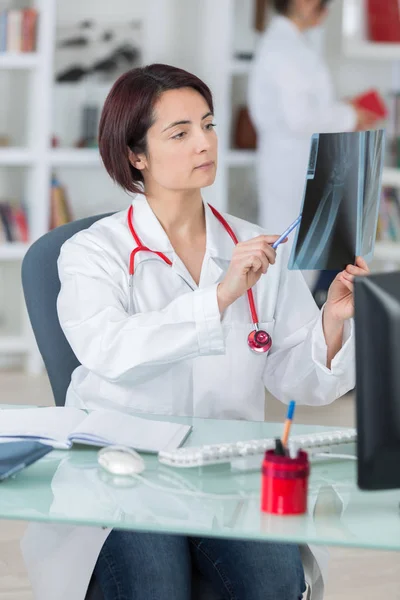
[{"x": 259, "y": 341}]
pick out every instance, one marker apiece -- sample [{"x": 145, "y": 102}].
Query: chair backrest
[{"x": 41, "y": 286}]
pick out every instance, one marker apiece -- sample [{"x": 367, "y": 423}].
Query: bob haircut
[
  {"x": 282, "y": 7},
  {"x": 128, "y": 114}
]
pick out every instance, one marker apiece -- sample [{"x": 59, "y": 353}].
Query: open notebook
[{"x": 63, "y": 426}]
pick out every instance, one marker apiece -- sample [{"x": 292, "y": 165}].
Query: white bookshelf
[
  {"x": 40, "y": 158},
  {"x": 14, "y": 344},
  {"x": 74, "y": 157},
  {"x": 240, "y": 158},
  {"x": 219, "y": 21},
  {"x": 16, "y": 156},
  {"x": 240, "y": 66},
  {"x": 387, "y": 252},
  {"x": 158, "y": 45},
  {"x": 39, "y": 67},
  {"x": 356, "y": 46},
  {"x": 391, "y": 177},
  {"x": 359, "y": 49},
  {"x": 14, "y": 61},
  {"x": 12, "y": 251}
]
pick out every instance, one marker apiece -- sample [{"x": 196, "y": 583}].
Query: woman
[
  {"x": 290, "y": 98},
  {"x": 172, "y": 338}
]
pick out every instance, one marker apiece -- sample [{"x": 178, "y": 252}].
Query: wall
[
  {"x": 170, "y": 34},
  {"x": 70, "y": 10}
]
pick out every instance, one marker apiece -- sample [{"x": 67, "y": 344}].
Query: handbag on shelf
[
  {"x": 245, "y": 136},
  {"x": 260, "y": 14}
]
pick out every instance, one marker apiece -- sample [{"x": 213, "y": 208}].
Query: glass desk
[{"x": 70, "y": 487}]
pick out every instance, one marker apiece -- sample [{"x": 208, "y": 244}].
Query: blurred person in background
[{"x": 291, "y": 97}]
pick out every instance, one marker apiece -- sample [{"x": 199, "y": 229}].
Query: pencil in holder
[{"x": 284, "y": 485}]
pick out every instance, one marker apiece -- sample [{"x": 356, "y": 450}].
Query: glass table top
[{"x": 70, "y": 487}]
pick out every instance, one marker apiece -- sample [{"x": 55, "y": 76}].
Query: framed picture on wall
[{"x": 92, "y": 48}]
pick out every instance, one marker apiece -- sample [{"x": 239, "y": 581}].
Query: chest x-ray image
[{"x": 341, "y": 200}]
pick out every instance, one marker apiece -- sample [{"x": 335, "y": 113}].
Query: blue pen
[
  {"x": 286, "y": 233},
  {"x": 288, "y": 422}
]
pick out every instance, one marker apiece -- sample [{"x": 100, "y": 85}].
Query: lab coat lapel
[
  {"x": 219, "y": 248},
  {"x": 212, "y": 272},
  {"x": 149, "y": 231}
]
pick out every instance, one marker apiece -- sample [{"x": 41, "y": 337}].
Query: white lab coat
[
  {"x": 290, "y": 97},
  {"x": 165, "y": 349}
]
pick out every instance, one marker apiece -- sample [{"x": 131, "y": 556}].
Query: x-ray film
[{"x": 341, "y": 200}]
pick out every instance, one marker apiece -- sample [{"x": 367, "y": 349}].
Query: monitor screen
[{"x": 377, "y": 326}]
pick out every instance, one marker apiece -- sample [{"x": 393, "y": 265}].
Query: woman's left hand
[{"x": 340, "y": 301}]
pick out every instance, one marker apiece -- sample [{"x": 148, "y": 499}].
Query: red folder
[{"x": 373, "y": 102}]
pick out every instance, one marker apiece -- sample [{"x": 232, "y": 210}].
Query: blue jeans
[{"x": 151, "y": 566}]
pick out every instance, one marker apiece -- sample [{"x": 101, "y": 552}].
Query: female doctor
[
  {"x": 167, "y": 332},
  {"x": 290, "y": 97}
]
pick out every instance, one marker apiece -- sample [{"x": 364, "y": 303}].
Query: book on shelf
[
  {"x": 18, "y": 30},
  {"x": 388, "y": 229},
  {"x": 60, "y": 211},
  {"x": 393, "y": 130},
  {"x": 13, "y": 223}
]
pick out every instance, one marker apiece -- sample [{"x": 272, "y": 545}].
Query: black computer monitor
[{"x": 377, "y": 328}]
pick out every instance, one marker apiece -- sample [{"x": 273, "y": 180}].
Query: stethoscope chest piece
[{"x": 259, "y": 341}]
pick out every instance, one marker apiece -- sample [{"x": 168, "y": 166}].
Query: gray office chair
[{"x": 41, "y": 286}]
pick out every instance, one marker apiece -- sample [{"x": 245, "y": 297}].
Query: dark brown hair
[
  {"x": 128, "y": 115},
  {"x": 283, "y": 6}
]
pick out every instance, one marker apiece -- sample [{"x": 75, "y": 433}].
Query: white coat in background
[
  {"x": 290, "y": 97},
  {"x": 162, "y": 347}
]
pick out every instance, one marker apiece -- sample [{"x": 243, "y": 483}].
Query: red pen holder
[{"x": 284, "y": 484}]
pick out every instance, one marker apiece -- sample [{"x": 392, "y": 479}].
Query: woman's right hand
[{"x": 250, "y": 260}]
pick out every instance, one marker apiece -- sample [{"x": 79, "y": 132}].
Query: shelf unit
[
  {"x": 240, "y": 158},
  {"x": 14, "y": 344},
  {"x": 356, "y": 47},
  {"x": 74, "y": 157},
  {"x": 12, "y": 251},
  {"x": 218, "y": 20},
  {"x": 16, "y": 157},
  {"x": 33, "y": 156},
  {"x": 39, "y": 158},
  {"x": 10, "y": 60},
  {"x": 391, "y": 177},
  {"x": 239, "y": 66},
  {"x": 387, "y": 252},
  {"x": 365, "y": 50},
  {"x": 359, "y": 49}
]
